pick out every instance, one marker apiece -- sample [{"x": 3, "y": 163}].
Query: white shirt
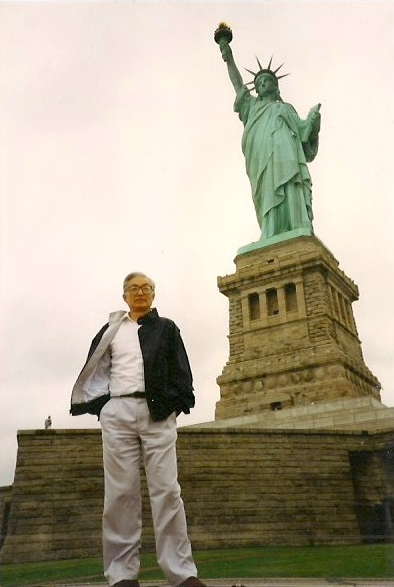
[{"x": 127, "y": 365}]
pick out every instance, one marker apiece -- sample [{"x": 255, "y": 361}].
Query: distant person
[
  {"x": 137, "y": 379},
  {"x": 48, "y": 423}
]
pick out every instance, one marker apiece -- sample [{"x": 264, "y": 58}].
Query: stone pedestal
[{"x": 293, "y": 338}]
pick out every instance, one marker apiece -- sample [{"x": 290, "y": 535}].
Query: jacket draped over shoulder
[{"x": 168, "y": 378}]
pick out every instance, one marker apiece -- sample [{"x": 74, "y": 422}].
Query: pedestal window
[
  {"x": 291, "y": 297},
  {"x": 254, "y": 306},
  {"x": 272, "y": 302}
]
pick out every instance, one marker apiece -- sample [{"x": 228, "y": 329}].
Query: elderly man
[{"x": 137, "y": 379}]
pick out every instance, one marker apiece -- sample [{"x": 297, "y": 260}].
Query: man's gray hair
[{"x": 136, "y": 274}]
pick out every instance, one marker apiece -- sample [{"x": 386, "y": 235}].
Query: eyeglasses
[{"x": 146, "y": 289}]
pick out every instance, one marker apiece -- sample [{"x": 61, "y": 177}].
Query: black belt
[{"x": 134, "y": 394}]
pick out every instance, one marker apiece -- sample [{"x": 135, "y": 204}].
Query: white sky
[{"x": 119, "y": 150}]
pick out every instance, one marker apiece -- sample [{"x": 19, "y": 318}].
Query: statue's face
[{"x": 266, "y": 86}]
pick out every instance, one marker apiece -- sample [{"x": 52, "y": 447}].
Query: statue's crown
[{"x": 262, "y": 70}]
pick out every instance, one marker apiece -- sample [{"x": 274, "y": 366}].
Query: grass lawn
[{"x": 366, "y": 561}]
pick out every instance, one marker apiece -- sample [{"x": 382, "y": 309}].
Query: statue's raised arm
[
  {"x": 223, "y": 37},
  {"x": 277, "y": 145}
]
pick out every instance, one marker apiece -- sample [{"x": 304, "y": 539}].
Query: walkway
[{"x": 261, "y": 583}]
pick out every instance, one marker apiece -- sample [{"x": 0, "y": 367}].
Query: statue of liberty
[{"x": 277, "y": 145}]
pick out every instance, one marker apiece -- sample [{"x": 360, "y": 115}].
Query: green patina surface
[
  {"x": 277, "y": 145},
  {"x": 265, "y": 242}
]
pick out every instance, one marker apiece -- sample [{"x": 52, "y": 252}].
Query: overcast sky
[{"x": 120, "y": 151}]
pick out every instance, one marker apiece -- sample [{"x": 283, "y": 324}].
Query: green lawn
[{"x": 367, "y": 561}]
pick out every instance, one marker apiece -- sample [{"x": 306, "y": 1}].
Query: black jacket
[{"x": 168, "y": 378}]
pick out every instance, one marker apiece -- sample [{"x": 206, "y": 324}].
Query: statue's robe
[{"x": 276, "y": 144}]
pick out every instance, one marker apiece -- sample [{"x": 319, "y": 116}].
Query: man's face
[
  {"x": 139, "y": 294},
  {"x": 265, "y": 85}
]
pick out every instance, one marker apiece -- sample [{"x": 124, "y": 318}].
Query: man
[{"x": 137, "y": 379}]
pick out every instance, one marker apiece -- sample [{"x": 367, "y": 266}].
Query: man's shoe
[
  {"x": 192, "y": 582},
  {"x": 127, "y": 583}
]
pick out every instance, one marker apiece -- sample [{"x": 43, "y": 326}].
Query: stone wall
[
  {"x": 57, "y": 495},
  {"x": 5, "y": 502},
  {"x": 240, "y": 487}
]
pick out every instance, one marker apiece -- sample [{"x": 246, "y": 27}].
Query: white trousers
[{"x": 128, "y": 433}]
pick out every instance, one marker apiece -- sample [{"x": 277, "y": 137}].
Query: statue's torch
[{"x": 223, "y": 35}]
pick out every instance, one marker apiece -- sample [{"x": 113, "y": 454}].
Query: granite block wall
[{"x": 240, "y": 487}]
